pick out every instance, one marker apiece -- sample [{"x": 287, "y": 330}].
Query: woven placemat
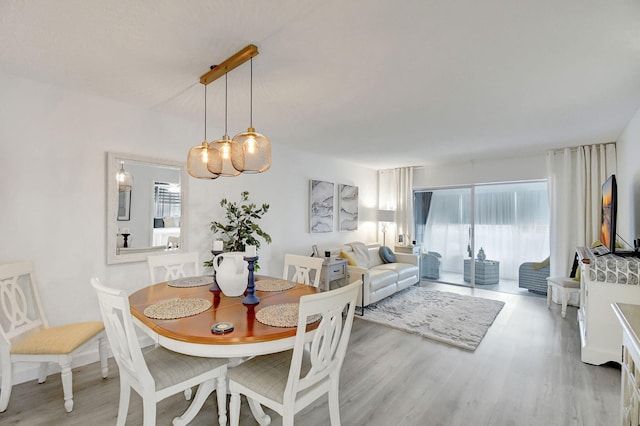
[
  {"x": 274, "y": 285},
  {"x": 191, "y": 281},
  {"x": 177, "y": 308},
  {"x": 282, "y": 315}
]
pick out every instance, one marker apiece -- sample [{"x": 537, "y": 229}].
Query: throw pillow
[
  {"x": 539, "y": 265},
  {"x": 350, "y": 260},
  {"x": 387, "y": 255}
]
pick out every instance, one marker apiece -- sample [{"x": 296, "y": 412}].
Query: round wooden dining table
[{"x": 192, "y": 335}]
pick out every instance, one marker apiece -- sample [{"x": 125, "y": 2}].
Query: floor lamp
[{"x": 385, "y": 217}]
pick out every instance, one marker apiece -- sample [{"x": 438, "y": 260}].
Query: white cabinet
[
  {"x": 629, "y": 318},
  {"x": 604, "y": 280}
]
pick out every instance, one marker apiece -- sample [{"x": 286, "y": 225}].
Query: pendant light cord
[
  {"x": 225, "y": 104},
  {"x": 205, "y": 112},
  {"x": 251, "y": 96}
]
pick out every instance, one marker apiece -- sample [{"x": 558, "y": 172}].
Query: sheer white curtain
[
  {"x": 395, "y": 192},
  {"x": 575, "y": 181},
  {"x": 511, "y": 225}
]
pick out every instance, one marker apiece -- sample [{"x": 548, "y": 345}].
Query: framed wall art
[
  {"x": 348, "y": 207},
  {"x": 321, "y": 197}
]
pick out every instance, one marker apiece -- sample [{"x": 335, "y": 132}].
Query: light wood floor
[{"x": 526, "y": 371}]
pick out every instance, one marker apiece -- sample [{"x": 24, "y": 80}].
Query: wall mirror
[{"x": 146, "y": 207}]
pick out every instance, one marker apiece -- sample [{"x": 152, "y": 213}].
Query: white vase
[{"x": 231, "y": 273}]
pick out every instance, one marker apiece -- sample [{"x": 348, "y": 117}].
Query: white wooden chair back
[
  {"x": 305, "y": 267},
  {"x": 166, "y": 267},
  {"x": 329, "y": 344},
  {"x": 173, "y": 242},
  {"x": 20, "y": 305},
  {"x": 116, "y": 315}
]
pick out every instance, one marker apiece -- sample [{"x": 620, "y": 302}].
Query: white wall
[
  {"x": 53, "y": 190},
  {"x": 524, "y": 167},
  {"x": 628, "y": 179}
]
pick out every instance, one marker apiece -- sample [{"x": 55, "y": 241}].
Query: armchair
[
  {"x": 431, "y": 265},
  {"x": 533, "y": 276}
]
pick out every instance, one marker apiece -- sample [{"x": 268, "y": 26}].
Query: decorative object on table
[
  {"x": 222, "y": 328},
  {"x": 251, "y": 258},
  {"x": 241, "y": 227},
  {"x": 177, "y": 308},
  {"x": 347, "y": 207},
  {"x": 231, "y": 273},
  {"x": 455, "y": 319},
  {"x": 271, "y": 284},
  {"x": 314, "y": 251},
  {"x": 282, "y": 315},
  {"x": 385, "y": 217},
  {"x": 247, "y": 152},
  {"x": 191, "y": 281},
  {"x": 217, "y": 249},
  {"x": 481, "y": 255},
  {"x": 327, "y": 254},
  {"x": 321, "y": 206}
]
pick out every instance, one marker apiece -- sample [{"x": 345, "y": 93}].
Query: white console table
[{"x": 604, "y": 280}]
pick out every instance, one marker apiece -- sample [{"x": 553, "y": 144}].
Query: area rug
[{"x": 451, "y": 318}]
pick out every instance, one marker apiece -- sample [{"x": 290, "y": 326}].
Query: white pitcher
[{"x": 231, "y": 273}]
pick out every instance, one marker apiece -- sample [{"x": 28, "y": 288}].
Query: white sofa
[{"x": 382, "y": 279}]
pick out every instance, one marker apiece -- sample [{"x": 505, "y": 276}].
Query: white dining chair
[
  {"x": 173, "y": 242},
  {"x": 158, "y": 373},
  {"x": 166, "y": 267},
  {"x": 303, "y": 267},
  {"x": 27, "y": 337},
  {"x": 289, "y": 381}
]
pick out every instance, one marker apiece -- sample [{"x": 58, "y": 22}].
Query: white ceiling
[{"x": 382, "y": 83}]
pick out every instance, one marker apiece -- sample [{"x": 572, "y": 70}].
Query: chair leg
[
  {"x": 565, "y": 300},
  {"x": 42, "y": 372},
  {"x": 549, "y": 292},
  {"x": 67, "y": 385},
  {"x": 5, "y": 391},
  {"x": 188, "y": 393},
  {"x": 123, "y": 407},
  {"x": 258, "y": 413},
  {"x": 203, "y": 392},
  {"x": 334, "y": 404},
  {"x": 103, "y": 351},
  {"x": 149, "y": 410},
  {"x": 234, "y": 409}
]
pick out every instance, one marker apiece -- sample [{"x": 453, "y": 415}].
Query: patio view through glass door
[{"x": 510, "y": 226}]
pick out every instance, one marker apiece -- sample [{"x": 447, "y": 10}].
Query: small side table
[
  {"x": 333, "y": 269},
  {"x": 487, "y": 271}
]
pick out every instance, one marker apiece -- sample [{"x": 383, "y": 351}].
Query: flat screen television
[{"x": 609, "y": 210}]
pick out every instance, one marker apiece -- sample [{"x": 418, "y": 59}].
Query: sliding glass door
[
  {"x": 443, "y": 227},
  {"x": 509, "y": 226}
]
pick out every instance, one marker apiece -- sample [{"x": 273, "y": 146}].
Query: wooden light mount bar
[{"x": 232, "y": 62}]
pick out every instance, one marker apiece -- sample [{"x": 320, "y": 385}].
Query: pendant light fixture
[
  {"x": 224, "y": 153},
  {"x": 199, "y": 155},
  {"x": 248, "y": 152},
  {"x": 256, "y": 147},
  {"x": 124, "y": 179}
]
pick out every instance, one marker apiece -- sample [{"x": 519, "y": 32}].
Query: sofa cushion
[
  {"x": 387, "y": 255},
  {"x": 380, "y": 278},
  {"x": 404, "y": 270},
  {"x": 351, "y": 261}
]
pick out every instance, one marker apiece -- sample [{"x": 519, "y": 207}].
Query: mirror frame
[{"x": 113, "y": 162}]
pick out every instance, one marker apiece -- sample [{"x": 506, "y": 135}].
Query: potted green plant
[{"x": 241, "y": 227}]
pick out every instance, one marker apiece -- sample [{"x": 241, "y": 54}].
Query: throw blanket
[{"x": 360, "y": 253}]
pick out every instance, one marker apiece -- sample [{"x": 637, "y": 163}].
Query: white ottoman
[{"x": 566, "y": 286}]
